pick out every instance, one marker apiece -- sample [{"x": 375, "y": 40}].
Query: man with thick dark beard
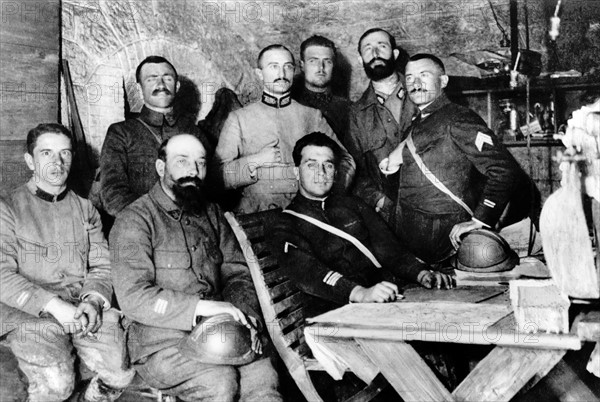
[
  {"x": 378, "y": 120},
  {"x": 177, "y": 261}
]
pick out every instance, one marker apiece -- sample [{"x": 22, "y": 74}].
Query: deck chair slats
[
  {"x": 282, "y": 290},
  {"x": 255, "y": 232},
  {"x": 267, "y": 262},
  {"x": 295, "y": 337},
  {"x": 280, "y": 303},
  {"x": 288, "y": 304},
  {"x": 293, "y": 319},
  {"x": 272, "y": 278},
  {"x": 303, "y": 349},
  {"x": 261, "y": 248}
]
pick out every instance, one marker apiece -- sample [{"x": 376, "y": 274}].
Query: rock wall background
[{"x": 215, "y": 43}]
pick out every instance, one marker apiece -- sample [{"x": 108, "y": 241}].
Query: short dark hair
[
  {"x": 317, "y": 139},
  {"x": 373, "y": 30},
  {"x": 273, "y": 47},
  {"x": 45, "y": 128},
  {"x": 426, "y": 56},
  {"x": 153, "y": 60},
  {"x": 317, "y": 40}
]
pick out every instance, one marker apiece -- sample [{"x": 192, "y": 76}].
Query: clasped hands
[{"x": 83, "y": 320}]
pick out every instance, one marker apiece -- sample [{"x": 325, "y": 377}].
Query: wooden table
[{"x": 372, "y": 338}]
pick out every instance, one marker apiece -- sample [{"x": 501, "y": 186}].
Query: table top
[{"x": 470, "y": 315}]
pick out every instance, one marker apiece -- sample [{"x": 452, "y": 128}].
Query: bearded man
[
  {"x": 176, "y": 261},
  {"x": 378, "y": 120}
]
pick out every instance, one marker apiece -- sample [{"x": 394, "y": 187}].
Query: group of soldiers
[{"x": 360, "y": 184}]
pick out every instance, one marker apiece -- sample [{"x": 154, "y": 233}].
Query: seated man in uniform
[
  {"x": 331, "y": 269},
  {"x": 177, "y": 261},
  {"x": 55, "y": 285}
]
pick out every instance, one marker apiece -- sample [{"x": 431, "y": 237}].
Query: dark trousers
[{"x": 427, "y": 235}]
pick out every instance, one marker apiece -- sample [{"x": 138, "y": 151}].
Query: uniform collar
[
  {"x": 157, "y": 119},
  {"x": 398, "y": 92},
  {"x": 315, "y": 99},
  {"x": 275, "y": 102},
  {"x": 436, "y": 105},
  {"x": 44, "y": 195},
  {"x": 304, "y": 203},
  {"x": 165, "y": 202}
]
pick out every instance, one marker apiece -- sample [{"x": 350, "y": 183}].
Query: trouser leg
[
  {"x": 105, "y": 354},
  {"x": 44, "y": 352},
  {"x": 259, "y": 382},
  {"x": 189, "y": 380}
]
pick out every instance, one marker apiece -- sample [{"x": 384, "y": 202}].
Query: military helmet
[
  {"x": 219, "y": 339},
  {"x": 482, "y": 250}
]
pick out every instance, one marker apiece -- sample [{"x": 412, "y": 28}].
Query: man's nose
[{"x": 417, "y": 83}]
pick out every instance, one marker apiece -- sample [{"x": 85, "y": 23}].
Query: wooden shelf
[
  {"x": 535, "y": 142},
  {"x": 500, "y": 84}
]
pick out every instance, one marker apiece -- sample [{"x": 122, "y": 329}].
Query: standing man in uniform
[
  {"x": 129, "y": 150},
  {"x": 378, "y": 120},
  {"x": 445, "y": 199},
  {"x": 254, "y": 153},
  {"x": 318, "y": 61}
]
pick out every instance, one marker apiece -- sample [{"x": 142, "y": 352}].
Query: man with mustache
[
  {"x": 55, "y": 284},
  {"x": 378, "y": 120},
  {"x": 330, "y": 269},
  {"x": 463, "y": 154},
  {"x": 129, "y": 149},
  {"x": 176, "y": 261},
  {"x": 254, "y": 153},
  {"x": 318, "y": 60}
]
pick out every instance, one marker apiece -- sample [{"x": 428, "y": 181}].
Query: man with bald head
[
  {"x": 176, "y": 261},
  {"x": 254, "y": 153}
]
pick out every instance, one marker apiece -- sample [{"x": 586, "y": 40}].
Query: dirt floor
[{"x": 568, "y": 381}]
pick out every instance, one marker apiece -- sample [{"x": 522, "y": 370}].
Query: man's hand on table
[
  {"x": 435, "y": 279},
  {"x": 382, "y": 292}
]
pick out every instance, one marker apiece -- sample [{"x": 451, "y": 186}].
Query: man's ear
[
  {"x": 139, "y": 88},
  {"x": 160, "y": 167},
  {"x": 297, "y": 172},
  {"x": 177, "y": 86},
  {"x": 360, "y": 60},
  {"x": 29, "y": 161},
  {"x": 444, "y": 80},
  {"x": 302, "y": 65},
  {"x": 259, "y": 74},
  {"x": 396, "y": 53}
]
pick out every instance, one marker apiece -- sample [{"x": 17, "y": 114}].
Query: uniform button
[
  {"x": 389, "y": 119},
  {"x": 61, "y": 275},
  {"x": 194, "y": 248},
  {"x": 187, "y": 221},
  {"x": 168, "y": 265}
]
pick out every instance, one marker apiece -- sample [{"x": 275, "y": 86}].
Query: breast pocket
[{"x": 172, "y": 259}]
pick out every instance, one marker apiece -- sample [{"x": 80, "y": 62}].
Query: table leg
[
  {"x": 349, "y": 351},
  {"x": 504, "y": 371},
  {"x": 405, "y": 370}
]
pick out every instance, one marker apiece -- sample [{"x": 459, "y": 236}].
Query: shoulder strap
[
  {"x": 156, "y": 137},
  {"x": 337, "y": 232},
  {"x": 431, "y": 177}
]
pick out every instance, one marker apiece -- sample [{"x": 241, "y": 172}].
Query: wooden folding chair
[{"x": 281, "y": 305}]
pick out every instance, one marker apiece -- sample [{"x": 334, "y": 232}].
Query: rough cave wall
[{"x": 215, "y": 43}]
